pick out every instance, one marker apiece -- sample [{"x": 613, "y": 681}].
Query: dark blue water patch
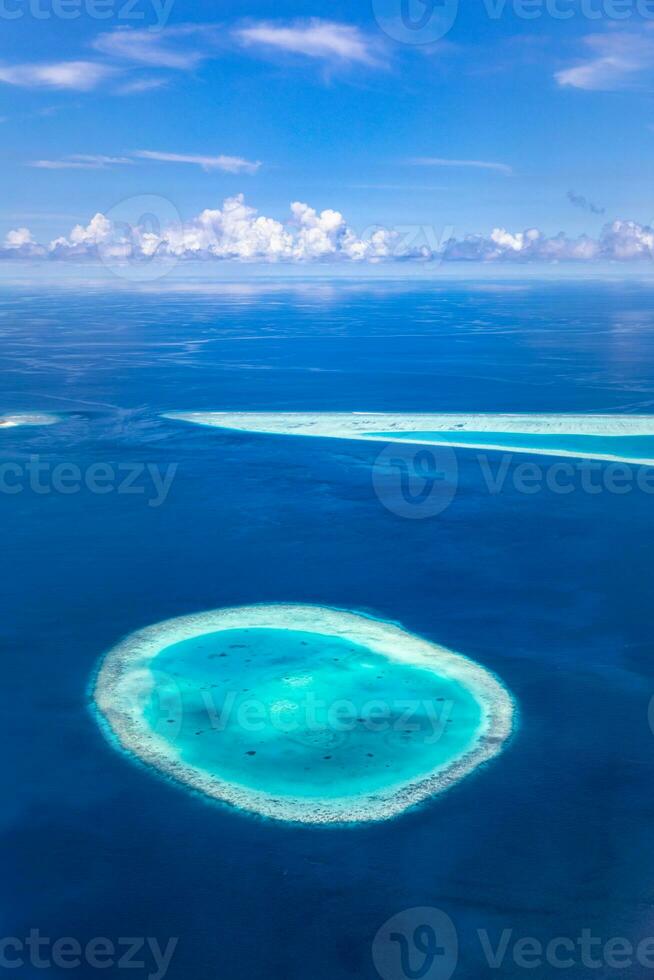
[{"x": 623, "y": 447}]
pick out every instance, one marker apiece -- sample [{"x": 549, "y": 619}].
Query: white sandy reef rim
[
  {"x": 364, "y": 425},
  {"x": 27, "y": 418},
  {"x": 125, "y": 680}
]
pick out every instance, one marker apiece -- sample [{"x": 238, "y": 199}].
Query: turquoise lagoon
[
  {"x": 301, "y": 713},
  {"x": 617, "y": 447}
]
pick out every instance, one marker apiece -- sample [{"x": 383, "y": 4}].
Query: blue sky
[{"x": 506, "y": 121}]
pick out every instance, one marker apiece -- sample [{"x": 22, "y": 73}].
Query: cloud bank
[{"x": 237, "y": 232}]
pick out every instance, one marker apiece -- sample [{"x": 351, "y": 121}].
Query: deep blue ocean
[{"x": 552, "y": 591}]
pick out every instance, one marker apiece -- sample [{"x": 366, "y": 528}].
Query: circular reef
[{"x": 301, "y": 713}]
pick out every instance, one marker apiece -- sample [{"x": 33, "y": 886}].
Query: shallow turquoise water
[
  {"x": 301, "y": 714},
  {"x": 632, "y": 447}
]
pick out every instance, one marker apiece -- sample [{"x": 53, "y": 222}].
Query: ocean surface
[{"x": 552, "y": 591}]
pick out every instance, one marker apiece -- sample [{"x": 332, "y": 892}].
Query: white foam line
[
  {"x": 27, "y": 418},
  {"x": 125, "y": 680}
]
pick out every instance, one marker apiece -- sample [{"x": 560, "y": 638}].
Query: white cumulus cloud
[
  {"x": 237, "y": 232},
  {"x": 20, "y": 244}
]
